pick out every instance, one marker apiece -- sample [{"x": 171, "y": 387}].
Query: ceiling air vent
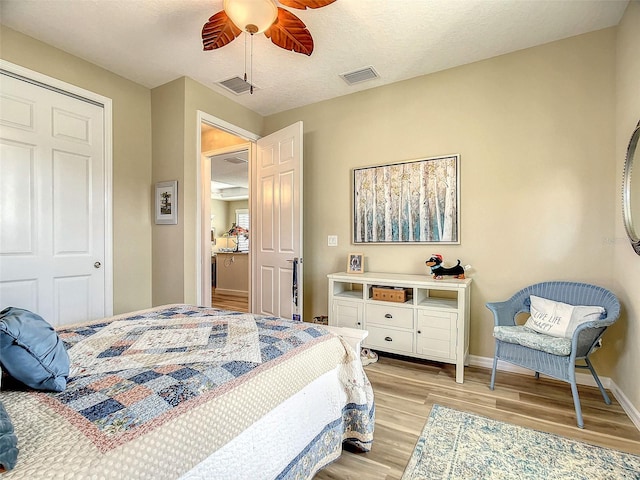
[
  {"x": 361, "y": 75},
  {"x": 237, "y": 85}
]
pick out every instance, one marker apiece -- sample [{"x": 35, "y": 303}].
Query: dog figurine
[{"x": 438, "y": 271}]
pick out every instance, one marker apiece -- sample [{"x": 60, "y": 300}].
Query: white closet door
[{"x": 52, "y": 203}]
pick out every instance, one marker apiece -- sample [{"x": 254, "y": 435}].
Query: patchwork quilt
[{"x": 152, "y": 394}]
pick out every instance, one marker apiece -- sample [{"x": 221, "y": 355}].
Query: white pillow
[{"x": 559, "y": 319}]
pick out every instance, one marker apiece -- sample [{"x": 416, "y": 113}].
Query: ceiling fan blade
[
  {"x": 290, "y": 33},
  {"x": 219, "y": 31},
  {"x": 304, "y": 4}
]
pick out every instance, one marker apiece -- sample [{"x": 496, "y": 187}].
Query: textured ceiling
[{"x": 153, "y": 42}]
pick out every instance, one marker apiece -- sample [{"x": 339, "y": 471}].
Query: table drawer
[
  {"x": 389, "y": 339},
  {"x": 389, "y": 315}
]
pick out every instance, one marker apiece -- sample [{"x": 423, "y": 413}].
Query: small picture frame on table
[
  {"x": 355, "y": 263},
  {"x": 166, "y": 200}
]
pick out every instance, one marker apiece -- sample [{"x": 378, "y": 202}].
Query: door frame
[
  {"x": 65, "y": 88},
  {"x": 202, "y": 230}
]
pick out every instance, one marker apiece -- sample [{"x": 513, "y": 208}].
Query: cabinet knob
[
  {"x": 419, "y": 331},
  {"x": 388, "y": 315},
  {"x": 359, "y": 323},
  {"x": 388, "y": 339}
]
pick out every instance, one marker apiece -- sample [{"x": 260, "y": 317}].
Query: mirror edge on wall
[{"x": 627, "y": 215}]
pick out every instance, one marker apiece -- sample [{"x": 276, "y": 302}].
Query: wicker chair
[{"x": 585, "y": 339}]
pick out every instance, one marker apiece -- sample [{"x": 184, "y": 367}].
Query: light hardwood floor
[
  {"x": 405, "y": 391},
  {"x": 229, "y": 302}
]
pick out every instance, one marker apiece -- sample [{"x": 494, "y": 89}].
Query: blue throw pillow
[
  {"x": 8, "y": 442},
  {"x": 31, "y": 352}
]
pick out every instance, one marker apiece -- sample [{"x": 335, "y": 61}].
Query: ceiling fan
[{"x": 256, "y": 16}]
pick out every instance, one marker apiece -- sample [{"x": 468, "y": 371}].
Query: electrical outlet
[{"x": 332, "y": 240}]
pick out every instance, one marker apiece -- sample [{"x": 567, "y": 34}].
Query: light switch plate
[{"x": 332, "y": 240}]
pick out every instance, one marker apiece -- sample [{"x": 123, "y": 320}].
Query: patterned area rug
[{"x": 459, "y": 445}]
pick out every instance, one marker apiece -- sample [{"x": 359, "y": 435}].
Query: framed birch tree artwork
[{"x": 409, "y": 202}]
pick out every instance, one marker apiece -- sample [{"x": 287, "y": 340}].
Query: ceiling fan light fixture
[{"x": 252, "y": 16}]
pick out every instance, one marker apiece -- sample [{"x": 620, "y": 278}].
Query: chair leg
[
  {"x": 607, "y": 400},
  {"x": 576, "y": 403},
  {"x": 493, "y": 372}
]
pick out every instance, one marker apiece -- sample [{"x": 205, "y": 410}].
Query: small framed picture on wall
[
  {"x": 355, "y": 263},
  {"x": 166, "y": 199}
]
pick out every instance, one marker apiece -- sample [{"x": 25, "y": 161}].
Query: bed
[{"x": 190, "y": 392}]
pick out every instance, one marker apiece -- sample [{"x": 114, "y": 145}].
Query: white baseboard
[
  {"x": 626, "y": 404},
  {"x": 581, "y": 379}
]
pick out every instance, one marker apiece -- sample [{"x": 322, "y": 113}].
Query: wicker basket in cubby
[{"x": 390, "y": 294}]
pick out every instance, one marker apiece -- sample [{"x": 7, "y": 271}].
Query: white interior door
[
  {"x": 52, "y": 203},
  {"x": 277, "y": 223}
]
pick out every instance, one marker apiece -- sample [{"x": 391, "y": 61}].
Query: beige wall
[
  {"x": 215, "y": 139},
  {"x": 625, "y": 358},
  {"x": 542, "y": 147},
  {"x": 232, "y": 207},
  {"x": 131, "y": 158},
  {"x": 221, "y": 220},
  {"x": 535, "y": 133},
  {"x": 175, "y": 108},
  {"x": 168, "y": 147}
]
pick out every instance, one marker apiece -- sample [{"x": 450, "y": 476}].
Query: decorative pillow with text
[{"x": 559, "y": 319}]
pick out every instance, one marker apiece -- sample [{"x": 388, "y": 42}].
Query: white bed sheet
[{"x": 263, "y": 450}]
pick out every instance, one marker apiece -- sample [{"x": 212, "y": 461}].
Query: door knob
[{"x": 97, "y": 265}]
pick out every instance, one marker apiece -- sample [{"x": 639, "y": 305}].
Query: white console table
[{"x": 432, "y": 323}]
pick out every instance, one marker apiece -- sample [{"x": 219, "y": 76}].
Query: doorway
[
  {"x": 230, "y": 245},
  {"x": 226, "y": 213},
  {"x": 275, "y": 196}
]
